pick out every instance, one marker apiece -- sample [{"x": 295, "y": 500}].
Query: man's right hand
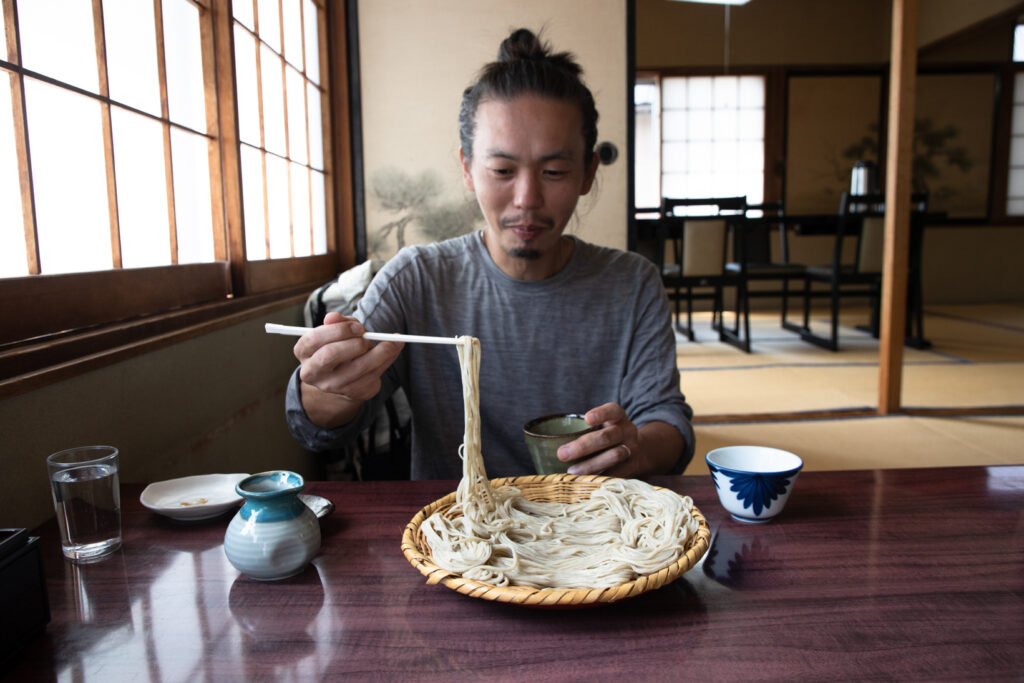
[{"x": 340, "y": 369}]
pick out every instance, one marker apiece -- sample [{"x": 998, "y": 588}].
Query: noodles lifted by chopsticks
[{"x": 626, "y": 528}]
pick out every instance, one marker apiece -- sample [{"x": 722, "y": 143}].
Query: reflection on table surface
[{"x": 865, "y": 574}]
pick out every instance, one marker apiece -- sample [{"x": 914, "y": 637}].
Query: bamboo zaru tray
[{"x": 561, "y": 488}]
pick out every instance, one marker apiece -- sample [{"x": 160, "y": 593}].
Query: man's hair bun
[
  {"x": 524, "y": 45},
  {"x": 527, "y": 66}
]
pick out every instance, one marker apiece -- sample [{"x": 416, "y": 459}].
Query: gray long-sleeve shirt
[{"x": 598, "y": 331}]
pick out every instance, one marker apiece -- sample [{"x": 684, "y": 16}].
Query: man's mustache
[{"x": 526, "y": 219}]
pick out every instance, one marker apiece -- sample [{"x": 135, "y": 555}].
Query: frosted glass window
[
  {"x": 246, "y": 87},
  {"x": 752, "y": 186},
  {"x": 725, "y": 92},
  {"x": 1018, "y": 45},
  {"x": 647, "y": 136},
  {"x": 726, "y": 126},
  {"x": 303, "y": 241},
  {"x": 1015, "y": 179},
  {"x": 751, "y": 92},
  {"x": 700, "y": 156},
  {"x": 700, "y": 124},
  {"x": 1016, "y": 183},
  {"x": 698, "y": 92},
  {"x": 644, "y": 92},
  {"x": 673, "y": 158},
  {"x": 278, "y": 210},
  {"x": 193, "y": 215},
  {"x": 242, "y": 11},
  {"x": 673, "y": 184},
  {"x": 726, "y": 156},
  {"x": 70, "y": 180},
  {"x": 712, "y": 132},
  {"x": 1018, "y": 118},
  {"x": 319, "y": 219},
  {"x": 316, "y": 133},
  {"x": 311, "y": 22},
  {"x": 135, "y": 180},
  {"x": 1017, "y": 151},
  {"x": 701, "y": 184},
  {"x": 291, "y": 11},
  {"x": 751, "y": 124},
  {"x": 252, "y": 204},
  {"x": 130, "y": 31},
  {"x": 296, "y": 93},
  {"x": 674, "y": 125},
  {"x": 270, "y": 23},
  {"x": 186, "y": 94},
  {"x": 750, "y": 155},
  {"x": 278, "y": 91},
  {"x": 141, "y": 190},
  {"x": 64, "y": 23},
  {"x": 12, "y": 227},
  {"x": 273, "y": 101},
  {"x": 673, "y": 93}
]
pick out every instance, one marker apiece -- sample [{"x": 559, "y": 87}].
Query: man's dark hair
[{"x": 526, "y": 66}]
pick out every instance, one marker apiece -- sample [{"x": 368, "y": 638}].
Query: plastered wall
[{"x": 416, "y": 58}]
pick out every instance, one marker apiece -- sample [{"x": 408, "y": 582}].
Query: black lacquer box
[{"x": 24, "y": 606}]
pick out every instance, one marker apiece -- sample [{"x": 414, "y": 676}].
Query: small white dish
[
  {"x": 202, "y": 496},
  {"x": 320, "y": 506}
]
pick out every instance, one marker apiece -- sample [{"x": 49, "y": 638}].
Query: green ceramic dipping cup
[{"x": 545, "y": 434}]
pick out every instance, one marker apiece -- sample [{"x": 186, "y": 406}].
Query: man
[{"x": 564, "y": 326}]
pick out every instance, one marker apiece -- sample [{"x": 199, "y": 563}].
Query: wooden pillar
[{"x": 898, "y": 182}]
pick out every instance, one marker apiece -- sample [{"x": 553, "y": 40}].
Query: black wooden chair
[
  {"x": 752, "y": 262},
  {"x": 694, "y": 233},
  {"x": 861, "y": 217}
]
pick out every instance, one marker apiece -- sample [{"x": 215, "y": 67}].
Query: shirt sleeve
[
  {"x": 314, "y": 437},
  {"x": 379, "y": 310},
  {"x": 651, "y": 388}
]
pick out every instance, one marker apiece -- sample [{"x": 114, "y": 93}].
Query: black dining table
[
  {"x": 905, "y": 574},
  {"x": 647, "y": 236}
]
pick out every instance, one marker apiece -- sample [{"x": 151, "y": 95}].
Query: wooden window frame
[{"x": 60, "y": 324}]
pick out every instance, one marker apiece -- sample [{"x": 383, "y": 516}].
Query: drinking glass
[{"x": 87, "y": 498}]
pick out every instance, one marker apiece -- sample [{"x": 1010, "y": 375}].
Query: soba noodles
[{"x": 625, "y": 529}]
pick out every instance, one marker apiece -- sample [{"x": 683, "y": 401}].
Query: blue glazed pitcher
[{"x": 274, "y": 535}]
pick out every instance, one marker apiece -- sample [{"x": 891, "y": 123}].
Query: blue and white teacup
[{"x": 753, "y": 482}]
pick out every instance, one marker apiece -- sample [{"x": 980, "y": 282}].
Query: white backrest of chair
[
  {"x": 872, "y": 245},
  {"x": 703, "y": 247}
]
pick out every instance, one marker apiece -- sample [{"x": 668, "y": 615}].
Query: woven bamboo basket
[{"x": 561, "y": 488}]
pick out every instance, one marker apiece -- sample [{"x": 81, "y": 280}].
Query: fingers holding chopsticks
[{"x": 337, "y": 359}]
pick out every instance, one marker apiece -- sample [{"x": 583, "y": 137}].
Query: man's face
[{"x": 527, "y": 171}]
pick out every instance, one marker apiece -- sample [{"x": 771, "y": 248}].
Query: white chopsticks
[{"x": 274, "y": 328}]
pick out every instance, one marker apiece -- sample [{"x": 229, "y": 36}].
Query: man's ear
[
  {"x": 590, "y": 174},
  {"x": 467, "y": 177}
]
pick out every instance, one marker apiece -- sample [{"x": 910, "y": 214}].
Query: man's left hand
[{"x": 612, "y": 446}]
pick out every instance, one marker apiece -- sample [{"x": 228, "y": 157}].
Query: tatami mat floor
[{"x": 976, "y": 359}]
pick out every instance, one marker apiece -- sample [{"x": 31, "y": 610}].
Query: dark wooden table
[
  {"x": 648, "y": 236},
  {"x": 890, "y": 574}
]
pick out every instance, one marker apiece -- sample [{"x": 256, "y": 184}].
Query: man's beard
[{"x": 527, "y": 254}]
